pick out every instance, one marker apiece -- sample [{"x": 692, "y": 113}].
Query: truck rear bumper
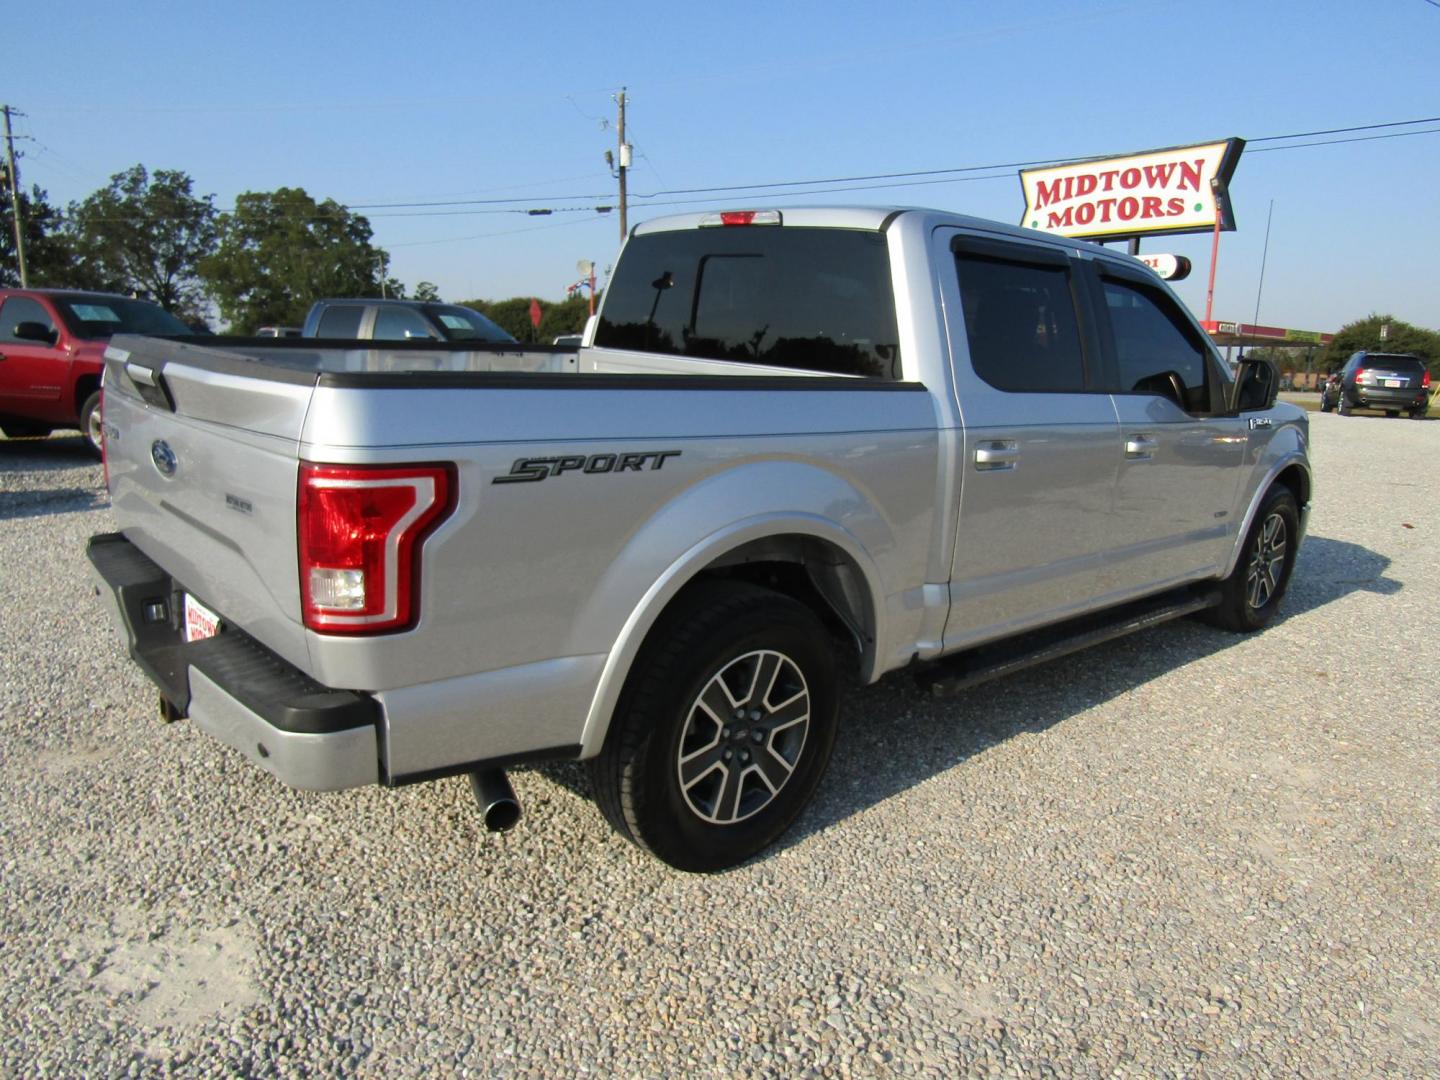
[{"x": 307, "y": 735}]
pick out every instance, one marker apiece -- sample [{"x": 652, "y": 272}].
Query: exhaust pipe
[{"x": 498, "y": 806}]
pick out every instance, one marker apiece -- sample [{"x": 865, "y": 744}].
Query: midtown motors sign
[{"x": 1159, "y": 191}]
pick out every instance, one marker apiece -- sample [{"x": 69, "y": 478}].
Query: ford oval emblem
[{"x": 164, "y": 457}]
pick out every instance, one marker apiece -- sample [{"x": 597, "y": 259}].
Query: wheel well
[
  {"x": 84, "y": 387},
  {"x": 1295, "y": 479},
  {"x": 813, "y": 572}
]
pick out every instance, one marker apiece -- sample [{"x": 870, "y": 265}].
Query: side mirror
[
  {"x": 1257, "y": 384},
  {"x": 36, "y": 331}
]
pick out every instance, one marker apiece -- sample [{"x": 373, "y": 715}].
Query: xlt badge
[{"x": 533, "y": 469}]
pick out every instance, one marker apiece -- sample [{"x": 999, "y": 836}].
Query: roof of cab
[{"x": 876, "y": 218}]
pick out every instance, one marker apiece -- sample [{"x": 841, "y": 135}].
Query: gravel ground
[{"x": 1182, "y": 854}]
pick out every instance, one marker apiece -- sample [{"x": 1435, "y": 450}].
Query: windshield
[
  {"x": 94, "y": 317},
  {"x": 466, "y": 324}
]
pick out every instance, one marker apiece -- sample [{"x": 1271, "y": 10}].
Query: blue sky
[{"x": 382, "y": 103}]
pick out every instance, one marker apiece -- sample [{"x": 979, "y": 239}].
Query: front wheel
[
  {"x": 724, "y": 730},
  {"x": 1250, "y": 596}
]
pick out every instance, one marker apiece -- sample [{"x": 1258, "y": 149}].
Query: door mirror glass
[
  {"x": 1256, "y": 385},
  {"x": 35, "y": 331}
]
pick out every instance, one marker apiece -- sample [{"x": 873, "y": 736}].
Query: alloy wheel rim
[
  {"x": 743, "y": 737},
  {"x": 1267, "y": 562},
  {"x": 94, "y": 429}
]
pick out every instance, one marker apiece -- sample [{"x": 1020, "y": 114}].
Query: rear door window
[
  {"x": 1020, "y": 320},
  {"x": 810, "y": 299},
  {"x": 341, "y": 321}
]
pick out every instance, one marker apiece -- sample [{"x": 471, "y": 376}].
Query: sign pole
[{"x": 1214, "y": 248}]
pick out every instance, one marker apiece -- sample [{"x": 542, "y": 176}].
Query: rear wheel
[
  {"x": 1251, "y": 595},
  {"x": 1342, "y": 406},
  {"x": 90, "y": 422},
  {"x": 1392, "y": 413},
  {"x": 724, "y": 729},
  {"x": 1417, "y": 414}
]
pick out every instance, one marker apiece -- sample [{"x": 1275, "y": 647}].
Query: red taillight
[
  {"x": 359, "y": 531},
  {"x": 1359, "y": 373},
  {"x": 1426, "y": 380},
  {"x": 737, "y": 217}
]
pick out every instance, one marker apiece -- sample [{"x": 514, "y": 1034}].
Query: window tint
[
  {"x": 20, "y": 309},
  {"x": 396, "y": 323},
  {"x": 1410, "y": 365},
  {"x": 1154, "y": 341},
  {"x": 342, "y": 321},
  {"x": 98, "y": 317},
  {"x": 814, "y": 299},
  {"x": 1020, "y": 323}
]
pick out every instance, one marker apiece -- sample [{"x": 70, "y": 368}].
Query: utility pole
[
  {"x": 15, "y": 199},
  {"x": 624, "y": 162}
]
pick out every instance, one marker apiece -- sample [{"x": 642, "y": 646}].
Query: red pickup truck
[{"x": 52, "y": 345}]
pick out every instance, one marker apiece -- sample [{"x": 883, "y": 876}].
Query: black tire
[
  {"x": 25, "y": 431},
  {"x": 1417, "y": 414},
  {"x": 723, "y": 639},
  {"x": 1325, "y": 405},
  {"x": 90, "y": 422},
  {"x": 1342, "y": 406},
  {"x": 1251, "y": 595},
  {"x": 1392, "y": 413}
]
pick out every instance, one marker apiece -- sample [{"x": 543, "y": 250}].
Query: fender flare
[
  {"x": 621, "y": 658},
  {"x": 1291, "y": 457}
]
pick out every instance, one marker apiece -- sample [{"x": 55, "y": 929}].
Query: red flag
[{"x": 535, "y": 313}]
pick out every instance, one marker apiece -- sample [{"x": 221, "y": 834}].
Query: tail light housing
[
  {"x": 360, "y": 530},
  {"x": 1360, "y": 375},
  {"x": 1425, "y": 380}
]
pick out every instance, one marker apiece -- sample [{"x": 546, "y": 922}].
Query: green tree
[
  {"x": 48, "y": 258},
  {"x": 145, "y": 234},
  {"x": 556, "y": 318},
  {"x": 427, "y": 291},
  {"x": 1401, "y": 337},
  {"x": 280, "y": 251}
]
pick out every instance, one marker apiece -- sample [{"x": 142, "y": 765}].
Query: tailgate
[{"x": 202, "y": 449}]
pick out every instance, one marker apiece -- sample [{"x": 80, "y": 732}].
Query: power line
[{"x": 955, "y": 170}]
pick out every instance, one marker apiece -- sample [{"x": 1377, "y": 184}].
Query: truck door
[
  {"x": 1181, "y": 460},
  {"x": 1038, "y": 452},
  {"x": 32, "y": 373}
]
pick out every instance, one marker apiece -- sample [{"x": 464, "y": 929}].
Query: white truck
[{"x": 798, "y": 442}]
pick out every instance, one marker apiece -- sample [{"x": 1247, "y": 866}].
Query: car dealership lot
[{"x": 1180, "y": 853}]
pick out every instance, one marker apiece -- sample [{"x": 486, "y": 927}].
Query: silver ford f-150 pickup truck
[{"x": 797, "y": 442}]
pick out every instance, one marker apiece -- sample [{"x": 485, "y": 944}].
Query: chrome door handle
[
  {"x": 994, "y": 456},
  {"x": 1139, "y": 447}
]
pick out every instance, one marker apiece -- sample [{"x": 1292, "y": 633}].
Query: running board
[{"x": 1001, "y": 658}]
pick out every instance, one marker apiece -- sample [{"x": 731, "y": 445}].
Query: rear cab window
[{"x": 810, "y": 299}]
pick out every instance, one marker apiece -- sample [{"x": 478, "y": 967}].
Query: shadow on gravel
[
  {"x": 893, "y": 736},
  {"x": 45, "y": 455},
  {"x": 24, "y": 504}
]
